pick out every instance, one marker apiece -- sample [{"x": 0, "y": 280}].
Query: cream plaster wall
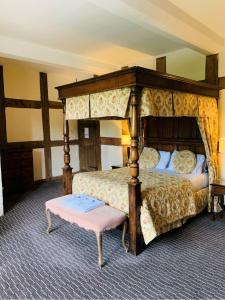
[
  {"x": 57, "y": 159},
  {"x": 23, "y": 124},
  {"x": 186, "y": 63},
  {"x": 111, "y": 155},
  {"x": 39, "y": 164},
  {"x": 56, "y": 125},
  {"x": 60, "y": 77},
  {"x": 21, "y": 81},
  {"x": 111, "y": 128}
]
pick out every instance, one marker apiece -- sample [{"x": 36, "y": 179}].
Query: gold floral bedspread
[{"x": 167, "y": 201}]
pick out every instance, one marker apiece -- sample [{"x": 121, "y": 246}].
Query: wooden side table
[{"x": 217, "y": 190}]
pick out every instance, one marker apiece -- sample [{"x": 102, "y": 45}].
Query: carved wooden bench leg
[
  {"x": 48, "y": 216},
  {"x": 99, "y": 243}
]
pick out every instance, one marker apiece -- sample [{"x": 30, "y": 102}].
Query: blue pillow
[{"x": 164, "y": 160}]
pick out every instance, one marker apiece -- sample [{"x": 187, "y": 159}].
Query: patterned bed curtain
[
  {"x": 205, "y": 109},
  {"x": 208, "y": 125}
]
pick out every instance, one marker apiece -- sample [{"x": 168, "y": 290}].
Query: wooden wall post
[
  {"x": 67, "y": 170},
  {"x": 161, "y": 64},
  {"x": 46, "y": 124},
  {"x": 134, "y": 185},
  {"x": 211, "y": 69},
  {"x": 3, "y": 135}
]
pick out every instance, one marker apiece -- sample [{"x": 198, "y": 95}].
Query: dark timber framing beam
[
  {"x": 161, "y": 64},
  {"x": 3, "y": 134},
  {"x": 211, "y": 69},
  {"x": 36, "y": 104},
  {"x": 57, "y": 143},
  {"x": 29, "y": 145},
  {"x": 19, "y": 103},
  {"x": 222, "y": 83},
  {"x": 55, "y": 105},
  {"x": 110, "y": 141},
  {"x": 46, "y": 124}
]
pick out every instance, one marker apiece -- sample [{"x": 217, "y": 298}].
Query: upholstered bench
[{"x": 98, "y": 220}]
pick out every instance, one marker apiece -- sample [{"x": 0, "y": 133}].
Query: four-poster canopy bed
[{"x": 135, "y": 93}]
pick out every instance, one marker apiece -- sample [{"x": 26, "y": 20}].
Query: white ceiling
[
  {"x": 78, "y": 26},
  {"x": 209, "y": 12},
  {"x": 107, "y": 33}
]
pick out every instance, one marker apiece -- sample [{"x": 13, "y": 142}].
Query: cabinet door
[{"x": 89, "y": 145}]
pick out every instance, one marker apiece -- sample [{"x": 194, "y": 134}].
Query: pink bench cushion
[{"x": 99, "y": 219}]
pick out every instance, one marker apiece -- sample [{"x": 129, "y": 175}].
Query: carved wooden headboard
[{"x": 173, "y": 133}]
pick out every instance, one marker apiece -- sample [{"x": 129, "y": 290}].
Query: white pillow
[
  {"x": 199, "y": 165},
  {"x": 164, "y": 160}
]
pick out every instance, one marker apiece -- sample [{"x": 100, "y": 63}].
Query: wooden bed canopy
[{"x": 135, "y": 78}]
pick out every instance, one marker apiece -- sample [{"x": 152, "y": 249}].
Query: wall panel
[
  {"x": 111, "y": 128},
  {"x": 56, "y": 78},
  {"x": 57, "y": 159},
  {"x": 23, "y": 124},
  {"x": 56, "y": 125},
  {"x": 21, "y": 80},
  {"x": 39, "y": 164},
  {"x": 111, "y": 155}
]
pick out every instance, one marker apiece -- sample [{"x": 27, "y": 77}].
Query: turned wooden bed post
[
  {"x": 67, "y": 170},
  {"x": 134, "y": 185}
]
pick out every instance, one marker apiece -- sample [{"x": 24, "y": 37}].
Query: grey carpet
[{"x": 186, "y": 263}]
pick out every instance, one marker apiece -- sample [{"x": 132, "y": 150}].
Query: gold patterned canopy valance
[
  {"x": 77, "y": 108},
  {"x": 154, "y": 102},
  {"x": 113, "y": 103}
]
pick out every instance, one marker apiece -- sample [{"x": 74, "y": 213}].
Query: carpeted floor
[{"x": 186, "y": 263}]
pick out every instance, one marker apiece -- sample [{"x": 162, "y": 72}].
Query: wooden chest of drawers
[{"x": 17, "y": 171}]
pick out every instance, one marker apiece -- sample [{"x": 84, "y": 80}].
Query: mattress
[{"x": 198, "y": 182}]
